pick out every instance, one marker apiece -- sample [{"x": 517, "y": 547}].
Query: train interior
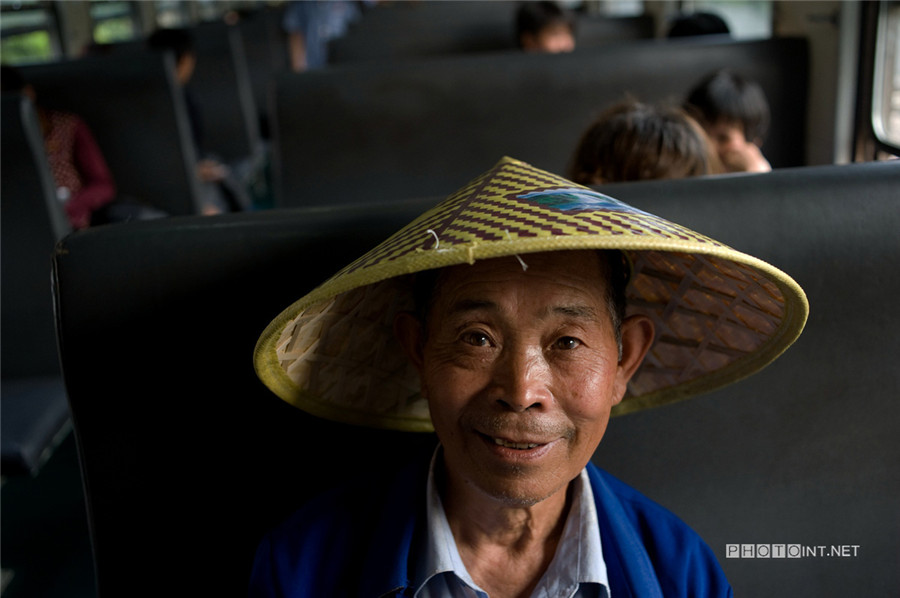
[{"x": 142, "y": 456}]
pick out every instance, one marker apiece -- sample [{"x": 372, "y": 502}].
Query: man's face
[{"x": 520, "y": 371}]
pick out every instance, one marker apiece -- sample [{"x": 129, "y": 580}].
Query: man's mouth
[{"x": 515, "y": 445}]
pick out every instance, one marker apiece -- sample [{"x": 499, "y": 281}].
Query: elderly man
[{"x": 508, "y": 301}]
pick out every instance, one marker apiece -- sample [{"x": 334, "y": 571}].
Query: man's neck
[{"x": 505, "y": 547}]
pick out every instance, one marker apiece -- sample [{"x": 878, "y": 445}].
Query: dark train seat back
[{"x": 33, "y": 401}]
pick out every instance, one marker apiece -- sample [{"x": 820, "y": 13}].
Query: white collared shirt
[{"x": 576, "y": 571}]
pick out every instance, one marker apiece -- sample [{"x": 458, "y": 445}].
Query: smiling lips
[
  {"x": 515, "y": 445},
  {"x": 520, "y": 434}
]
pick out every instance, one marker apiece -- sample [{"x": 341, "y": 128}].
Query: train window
[
  {"x": 210, "y": 10},
  {"x": 28, "y": 32},
  {"x": 114, "y": 21},
  {"x": 616, "y": 8},
  {"x": 886, "y": 84},
  {"x": 172, "y": 13}
]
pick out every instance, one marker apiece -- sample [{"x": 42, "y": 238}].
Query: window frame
[
  {"x": 870, "y": 143},
  {"x": 884, "y": 67},
  {"x": 49, "y": 24}
]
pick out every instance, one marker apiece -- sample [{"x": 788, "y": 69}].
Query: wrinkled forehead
[{"x": 537, "y": 276}]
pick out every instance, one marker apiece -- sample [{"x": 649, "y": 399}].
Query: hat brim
[{"x": 271, "y": 371}]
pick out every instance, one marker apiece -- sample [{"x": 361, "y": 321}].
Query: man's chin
[{"x": 518, "y": 493}]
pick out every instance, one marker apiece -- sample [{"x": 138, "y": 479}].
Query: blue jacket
[{"x": 356, "y": 542}]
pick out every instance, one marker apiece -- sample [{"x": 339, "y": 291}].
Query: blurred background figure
[
  {"x": 219, "y": 191},
  {"x": 181, "y": 44},
  {"x": 735, "y": 113},
  {"x": 633, "y": 141},
  {"x": 698, "y": 23},
  {"x": 82, "y": 177},
  {"x": 311, "y": 24},
  {"x": 545, "y": 27}
]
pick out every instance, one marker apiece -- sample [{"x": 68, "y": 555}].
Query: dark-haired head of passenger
[
  {"x": 545, "y": 27},
  {"x": 735, "y": 114},
  {"x": 181, "y": 43},
  {"x": 698, "y": 23},
  {"x": 12, "y": 81},
  {"x": 634, "y": 141}
]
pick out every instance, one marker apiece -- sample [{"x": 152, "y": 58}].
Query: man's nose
[{"x": 521, "y": 380}]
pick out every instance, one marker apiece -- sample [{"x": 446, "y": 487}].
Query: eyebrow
[{"x": 582, "y": 312}]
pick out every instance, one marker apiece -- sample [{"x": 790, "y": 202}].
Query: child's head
[
  {"x": 544, "y": 27},
  {"x": 13, "y": 81},
  {"x": 732, "y": 109},
  {"x": 634, "y": 141},
  {"x": 698, "y": 23}
]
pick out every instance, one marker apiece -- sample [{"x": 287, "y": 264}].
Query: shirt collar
[{"x": 578, "y": 559}]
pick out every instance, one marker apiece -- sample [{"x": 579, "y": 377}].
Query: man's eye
[
  {"x": 567, "y": 343},
  {"x": 476, "y": 339}
]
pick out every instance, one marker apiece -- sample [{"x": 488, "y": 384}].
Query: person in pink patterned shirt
[{"x": 83, "y": 179}]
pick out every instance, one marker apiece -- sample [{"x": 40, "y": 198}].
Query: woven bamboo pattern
[
  {"x": 492, "y": 208},
  {"x": 343, "y": 352},
  {"x": 707, "y": 313}
]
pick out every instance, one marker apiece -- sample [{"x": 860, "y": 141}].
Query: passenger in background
[
  {"x": 633, "y": 141},
  {"x": 311, "y": 24},
  {"x": 698, "y": 23},
  {"x": 735, "y": 113},
  {"x": 545, "y": 27},
  {"x": 83, "y": 179},
  {"x": 219, "y": 191}
]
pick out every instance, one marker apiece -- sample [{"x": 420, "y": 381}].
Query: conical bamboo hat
[{"x": 719, "y": 314}]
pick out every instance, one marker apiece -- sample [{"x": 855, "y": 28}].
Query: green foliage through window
[
  {"x": 25, "y": 48},
  {"x": 114, "y": 30}
]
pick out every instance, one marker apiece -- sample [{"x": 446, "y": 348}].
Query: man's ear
[
  {"x": 637, "y": 336},
  {"x": 408, "y": 330}
]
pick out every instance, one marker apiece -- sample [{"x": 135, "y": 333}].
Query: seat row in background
[
  {"x": 129, "y": 98},
  {"x": 427, "y": 29},
  {"x": 370, "y": 131},
  {"x": 414, "y": 93},
  {"x": 418, "y": 95},
  {"x": 408, "y": 113}
]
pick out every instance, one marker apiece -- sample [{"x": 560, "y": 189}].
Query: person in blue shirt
[
  {"x": 311, "y": 24},
  {"x": 500, "y": 319}
]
